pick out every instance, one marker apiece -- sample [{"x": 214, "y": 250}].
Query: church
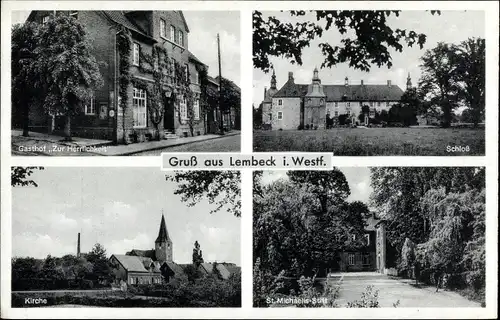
[{"x": 296, "y": 106}]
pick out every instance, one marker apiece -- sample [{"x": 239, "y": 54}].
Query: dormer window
[{"x": 45, "y": 19}]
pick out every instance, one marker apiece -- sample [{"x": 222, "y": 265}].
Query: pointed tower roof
[{"x": 163, "y": 233}]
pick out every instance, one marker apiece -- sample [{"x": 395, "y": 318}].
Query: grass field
[{"x": 374, "y": 141}]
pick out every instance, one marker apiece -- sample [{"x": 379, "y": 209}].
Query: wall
[{"x": 291, "y": 113}]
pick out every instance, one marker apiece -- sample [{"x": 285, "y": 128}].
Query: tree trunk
[
  {"x": 67, "y": 128},
  {"x": 26, "y": 120}
]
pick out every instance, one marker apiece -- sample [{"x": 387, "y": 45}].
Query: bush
[
  {"x": 300, "y": 127},
  {"x": 369, "y": 299},
  {"x": 307, "y": 126}
]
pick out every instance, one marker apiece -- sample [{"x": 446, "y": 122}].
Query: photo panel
[
  {"x": 370, "y": 237},
  {"x": 369, "y": 83},
  {"x": 125, "y": 237},
  {"x": 118, "y": 83}
]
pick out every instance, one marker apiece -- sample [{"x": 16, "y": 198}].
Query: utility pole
[{"x": 220, "y": 88}]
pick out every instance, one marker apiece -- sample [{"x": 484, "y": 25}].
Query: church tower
[{"x": 163, "y": 244}]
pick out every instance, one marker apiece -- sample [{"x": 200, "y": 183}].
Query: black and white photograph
[
  {"x": 379, "y": 237},
  {"x": 116, "y": 83},
  {"x": 125, "y": 237},
  {"x": 369, "y": 83}
]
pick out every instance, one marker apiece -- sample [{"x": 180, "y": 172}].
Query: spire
[
  {"x": 78, "y": 246},
  {"x": 408, "y": 82},
  {"x": 273, "y": 80},
  {"x": 163, "y": 234},
  {"x": 346, "y": 81}
]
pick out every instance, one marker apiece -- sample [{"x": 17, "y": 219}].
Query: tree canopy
[
  {"x": 222, "y": 188},
  {"x": 19, "y": 176},
  {"x": 366, "y": 38}
]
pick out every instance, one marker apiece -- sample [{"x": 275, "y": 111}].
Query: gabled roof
[
  {"x": 120, "y": 18},
  {"x": 176, "y": 268},
  {"x": 366, "y": 92},
  {"x": 133, "y": 263},
  {"x": 184, "y": 20},
  {"x": 192, "y": 57},
  {"x": 142, "y": 253}
]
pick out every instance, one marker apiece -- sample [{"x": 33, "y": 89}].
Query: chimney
[
  {"x": 290, "y": 76},
  {"x": 265, "y": 92},
  {"x": 389, "y": 83},
  {"x": 78, "y": 246}
]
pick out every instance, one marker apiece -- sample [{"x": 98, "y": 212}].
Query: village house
[
  {"x": 103, "y": 116},
  {"x": 297, "y": 105}
]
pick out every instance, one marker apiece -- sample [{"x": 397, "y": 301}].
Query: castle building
[
  {"x": 297, "y": 105},
  {"x": 103, "y": 117}
]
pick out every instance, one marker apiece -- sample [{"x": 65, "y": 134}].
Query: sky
[
  {"x": 119, "y": 208},
  {"x": 202, "y": 39},
  {"x": 450, "y": 26},
  {"x": 358, "y": 179}
]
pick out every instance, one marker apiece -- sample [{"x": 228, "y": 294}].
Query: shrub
[
  {"x": 369, "y": 299},
  {"x": 307, "y": 126}
]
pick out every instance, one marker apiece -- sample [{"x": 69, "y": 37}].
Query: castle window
[
  {"x": 172, "y": 33},
  {"x": 280, "y": 102},
  {"x": 348, "y": 104},
  {"x": 351, "y": 259},
  {"x": 90, "y": 107},
  {"x": 139, "y": 105},
  {"x": 136, "y": 52},
  {"x": 163, "y": 28},
  {"x": 336, "y": 113},
  {"x": 280, "y": 115}
]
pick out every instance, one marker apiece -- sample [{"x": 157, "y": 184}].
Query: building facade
[
  {"x": 103, "y": 117},
  {"x": 309, "y": 105}
]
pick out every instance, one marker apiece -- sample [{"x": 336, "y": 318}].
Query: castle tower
[
  {"x": 163, "y": 244},
  {"x": 78, "y": 246},
  {"x": 408, "y": 82},
  {"x": 273, "y": 80}
]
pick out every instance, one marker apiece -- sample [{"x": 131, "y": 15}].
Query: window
[
  {"x": 183, "y": 108},
  {"x": 367, "y": 239},
  {"x": 336, "y": 104},
  {"x": 180, "y": 41},
  {"x": 131, "y": 280},
  {"x": 163, "y": 28},
  {"x": 270, "y": 116},
  {"x": 196, "y": 109},
  {"x": 73, "y": 14},
  {"x": 45, "y": 19},
  {"x": 366, "y": 259},
  {"x": 103, "y": 110},
  {"x": 280, "y": 102},
  {"x": 136, "y": 54},
  {"x": 90, "y": 107},
  {"x": 186, "y": 71},
  {"x": 348, "y": 104},
  {"x": 336, "y": 113},
  {"x": 378, "y": 103},
  {"x": 280, "y": 115},
  {"x": 353, "y": 237},
  {"x": 351, "y": 259},
  {"x": 196, "y": 77},
  {"x": 139, "y": 104},
  {"x": 348, "y": 112},
  {"x": 172, "y": 33}
]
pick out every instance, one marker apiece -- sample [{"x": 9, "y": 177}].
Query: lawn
[{"x": 374, "y": 141}]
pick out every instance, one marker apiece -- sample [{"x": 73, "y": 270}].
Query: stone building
[
  {"x": 103, "y": 117},
  {"x": 298, "y": 105}
]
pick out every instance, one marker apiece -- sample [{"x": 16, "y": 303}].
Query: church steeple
[
  {"x": 408, "y": 82},
  {"x": 316, "y": 76},
  {"x": 163, "y": 244},
  {"x": 273, "y": 80}
]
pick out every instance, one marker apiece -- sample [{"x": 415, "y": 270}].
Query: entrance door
[{"x": 169, "y": 116}]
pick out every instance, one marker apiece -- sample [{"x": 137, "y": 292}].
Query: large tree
[
  {"x": 66, "y": 68},
  {"x": 366, "y": 38},
  {"x": 439, "y": 81},
  {"x": 222, "y": 188},
  {"x": 23, "y": 72},
  {"x": 471, "y": 75},
  {"x": 398, "y": 192}
]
